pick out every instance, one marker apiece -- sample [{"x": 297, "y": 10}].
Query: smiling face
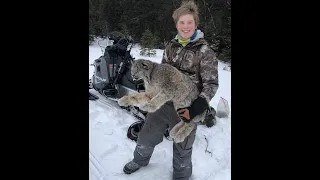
[{"x": 186, "y": 26}]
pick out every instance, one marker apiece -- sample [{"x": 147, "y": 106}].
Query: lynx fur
[{"x": 163, "y": 83}]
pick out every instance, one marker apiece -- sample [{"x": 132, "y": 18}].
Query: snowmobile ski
[{"x": 93, "y": 97}]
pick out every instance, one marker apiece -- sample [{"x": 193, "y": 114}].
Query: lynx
[{"x": 163, "y": 83}]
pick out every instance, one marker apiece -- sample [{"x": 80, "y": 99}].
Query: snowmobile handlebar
[{"x": 121, "y": 45}]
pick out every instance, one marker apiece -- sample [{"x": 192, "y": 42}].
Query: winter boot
[{"x": 131, "y": 167}]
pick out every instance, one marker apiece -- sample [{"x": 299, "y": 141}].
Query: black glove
[{"x": 198, "y": 106}]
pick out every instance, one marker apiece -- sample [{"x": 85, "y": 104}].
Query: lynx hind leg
[
  {"x": 135, "y": 99},
  {"x": 183, "y": 132},
  {"x": 175, "y": 129}
]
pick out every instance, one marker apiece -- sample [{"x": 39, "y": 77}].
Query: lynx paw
[
  {"x": 124, "y": 101},
  {"x": 173, "y": 132},
  {"x": 175, "y": 129},
  {"x": 179, "y": 138},
  {"x": 183, "y": 132}
]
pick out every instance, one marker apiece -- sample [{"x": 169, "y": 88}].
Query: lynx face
[{"x": 141, "y": 69}]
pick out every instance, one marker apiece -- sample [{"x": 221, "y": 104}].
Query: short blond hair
[{"x": 187, "y": 7}]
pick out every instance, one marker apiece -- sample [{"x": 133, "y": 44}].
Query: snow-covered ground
[{"x": 110, "y": 149}]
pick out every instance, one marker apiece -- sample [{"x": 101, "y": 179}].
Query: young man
[{"x": 191, "y": 54}]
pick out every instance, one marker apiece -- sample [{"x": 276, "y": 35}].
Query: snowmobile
[
  {"x": 112, "y": 76},
  {"x": 112, "y": 79}
]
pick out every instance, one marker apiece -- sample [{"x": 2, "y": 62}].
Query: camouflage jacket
[{"x": 198, "y": 61}]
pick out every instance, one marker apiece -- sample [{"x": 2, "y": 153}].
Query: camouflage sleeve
[
  {"x": 165, "y": 58},
  {"x": 209, "y": 73}
]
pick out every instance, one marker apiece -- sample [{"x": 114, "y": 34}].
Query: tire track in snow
[
  {"x": 109, "y": 151},
  {"x": 96, "y": 167}
]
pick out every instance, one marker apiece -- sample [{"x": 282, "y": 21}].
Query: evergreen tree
[
  {"x": 133, "y": 17},
  {"x": 148, "y": 43}
]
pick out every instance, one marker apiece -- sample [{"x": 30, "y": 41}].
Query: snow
[{"x": 110, "y": 149}]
